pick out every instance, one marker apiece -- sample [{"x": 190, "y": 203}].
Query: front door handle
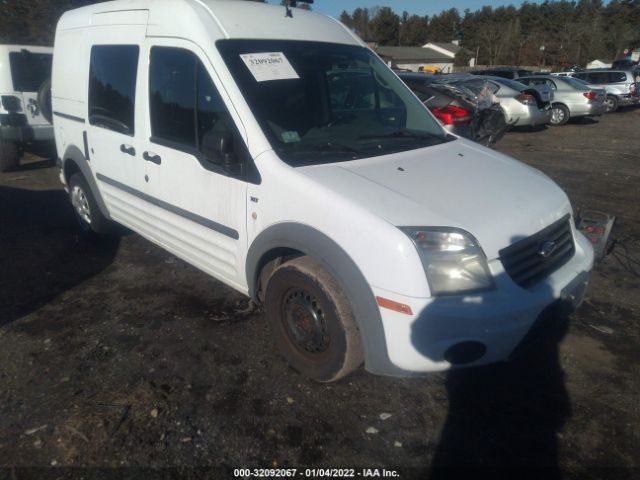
[
  {"x": 128, "y": 149},
  {"x": 152, "y": 157}
]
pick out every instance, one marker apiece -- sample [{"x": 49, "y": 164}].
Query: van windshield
[{"x": 321, "y": 103}]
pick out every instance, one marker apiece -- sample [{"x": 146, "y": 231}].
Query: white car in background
[
  {"x": 25, "y": 110},
  {"x": 620, "y": 85},
  {"x": 571, "y": 97}
]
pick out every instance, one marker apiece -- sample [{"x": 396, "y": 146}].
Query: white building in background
[
  {"x": 599, "y": 64},
  {"x": 432, "y": 54},
  {"x": 448, "y": 49}
]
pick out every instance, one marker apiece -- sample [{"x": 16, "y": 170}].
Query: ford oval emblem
[{"x": 547, "y": 248}]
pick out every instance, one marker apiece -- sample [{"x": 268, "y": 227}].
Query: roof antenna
[{"x": 288, "y": 4}]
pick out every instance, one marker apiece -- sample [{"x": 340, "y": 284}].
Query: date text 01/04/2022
[{"x": 315, "y": 473}]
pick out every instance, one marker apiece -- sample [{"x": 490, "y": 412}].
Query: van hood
[{"x": 457, "y": 184}]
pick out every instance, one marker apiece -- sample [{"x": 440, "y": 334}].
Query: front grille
[{"x": 524, "y": 262}]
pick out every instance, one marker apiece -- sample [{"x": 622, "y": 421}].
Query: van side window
[
  {"x": 213, "y": 116},
  {"x": 112, "y": 87},
  {"x": 172, "y": 83},
  {"x": 187, "y": 112}
]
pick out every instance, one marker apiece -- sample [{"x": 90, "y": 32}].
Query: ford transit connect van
[{"x": 280, "y": 155}]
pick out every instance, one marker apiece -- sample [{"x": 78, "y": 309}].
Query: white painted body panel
[
  {"x": 453, "y": 184},
  {"x": 500, "y": 319},
  {"x": 357, "y": 204},
  {"x": 28, "y": 100}
]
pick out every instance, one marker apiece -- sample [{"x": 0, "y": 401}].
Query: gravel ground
[{"x": 114, "y": 353}]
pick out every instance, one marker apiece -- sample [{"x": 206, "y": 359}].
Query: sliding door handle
[
  {"x": 128, "y": 149},
  {"x": 152, "y": 157}
]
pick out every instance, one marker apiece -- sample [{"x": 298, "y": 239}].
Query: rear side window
[
  {"x": 575, "y": 83},
  {"x": 112, "y": 87},
  {"x": 617, "y": 77},
  {"x": 599, "y": 78},
  {"x": 29, "y": 70}
]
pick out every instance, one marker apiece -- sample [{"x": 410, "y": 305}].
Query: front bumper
[
  {"x": 26, "y": 133},
  {"x": 499, "y": 320}
]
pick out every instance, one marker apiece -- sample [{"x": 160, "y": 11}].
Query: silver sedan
[
  {"x": 571, "y": 98},
  {"x": 521, "y": 105}
]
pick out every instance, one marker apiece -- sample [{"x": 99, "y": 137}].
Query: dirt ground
[{"x": 116, "y": 354}]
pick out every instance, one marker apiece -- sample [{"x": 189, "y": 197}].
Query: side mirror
[{"x": 218, "y": 148}]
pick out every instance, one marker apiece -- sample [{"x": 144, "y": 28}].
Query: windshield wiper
[
  {"x": 401, "y": 134},
  {"x": 328, "y": 147}
]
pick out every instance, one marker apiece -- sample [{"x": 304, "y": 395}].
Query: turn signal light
[{"x": 395, "y": 306}]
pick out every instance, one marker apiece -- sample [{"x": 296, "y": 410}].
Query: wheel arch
[
  {"x": 298, "y": 239},
  {"x": 74, "y": 161}
]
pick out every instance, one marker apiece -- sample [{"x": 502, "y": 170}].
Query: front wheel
[
  {"x": 85, "y": 207},
  {"x": 559, "y": 115},
  {"x": 311, "y": 321}
]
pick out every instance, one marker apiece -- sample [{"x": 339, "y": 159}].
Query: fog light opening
[{"x": 465, "y": 352}]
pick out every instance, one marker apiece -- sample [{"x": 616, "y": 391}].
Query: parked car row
[
  {"x": 619, "y": 82},
  {"x": 471, "y": 104},
  {"x": 620, "y": 85}
]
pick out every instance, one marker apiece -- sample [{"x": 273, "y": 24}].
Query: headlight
[{"x": 452, "y": 259}]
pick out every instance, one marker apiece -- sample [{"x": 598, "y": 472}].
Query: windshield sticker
[
  {"x": 269, "y": 66},
  {"x": 290, "y": 137}
]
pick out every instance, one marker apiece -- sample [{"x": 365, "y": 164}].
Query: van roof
[{"x": 233, "y": 19}]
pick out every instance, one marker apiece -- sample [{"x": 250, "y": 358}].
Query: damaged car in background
[
  {"x": 523, "y": 106},
  {"x": 461, "y": 111}
]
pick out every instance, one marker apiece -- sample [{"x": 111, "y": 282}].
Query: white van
[
  {"x": 280, "y": 155},
  {"x": 25, "y": 75}
]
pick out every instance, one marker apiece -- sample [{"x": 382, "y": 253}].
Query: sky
[{"x": 418, "y": 7}]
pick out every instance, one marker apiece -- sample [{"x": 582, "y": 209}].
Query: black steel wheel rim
[{"x": 304, "y": 322}]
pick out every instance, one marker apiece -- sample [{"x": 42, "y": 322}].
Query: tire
[
  {"x": 559, "y": 115},
  {"x": 612, "y": 103},
  {"x": 44, "y": 100},
  {"x": 311, "y": 321},
  {"x": 9, "y": 156},
  {"x": 85, "y": 207}
]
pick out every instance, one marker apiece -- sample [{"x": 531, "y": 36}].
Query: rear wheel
[
  {"x": 85, "y": 207},
  {"x": 611, "y": 102},
  {"x": 311, "y": 321},
  {"x": 44, "y": 100},
  {"x": 9, "y": 155},
  {"x": 559, "y": 115}
]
